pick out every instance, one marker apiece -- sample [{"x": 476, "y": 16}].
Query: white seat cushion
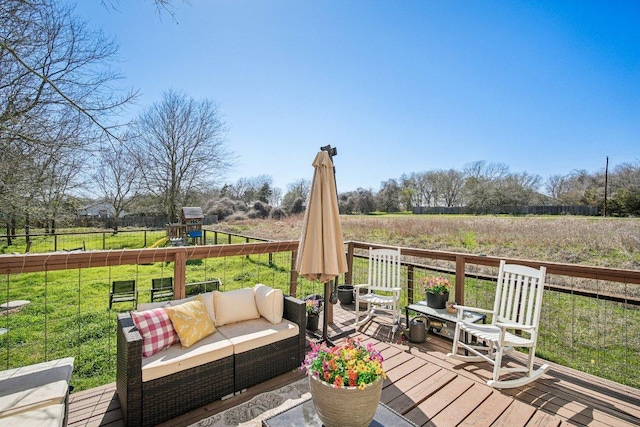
[
  {"x": 176, "y": 359},
  {"x": 34, "y": 386},
  {"x": 47, "y": 416},
  {"x": 251, "y": 334}
]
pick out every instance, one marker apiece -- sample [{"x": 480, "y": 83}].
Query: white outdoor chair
[
  {"x": 383, "y": 287},
  {"x": 516, "y": 308}
]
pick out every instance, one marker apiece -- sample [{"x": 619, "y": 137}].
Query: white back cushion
[
  {"x": 270, "y": 302},
  {"x": 234, "y": 306}
]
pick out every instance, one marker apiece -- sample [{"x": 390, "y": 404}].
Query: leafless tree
[
  {"x": 181, "y": 147},
  {"x": 409, "y": 196},
  {"x": 388, "y": 198},
  {"x": 297, "y": 190},
  {"x": 451, "y": 184},
  {"x": 557, "y": 186},
  {"x": 162, "y": 6},
  {"x": 117, "y": 178},
  {"x": 481, "y": 178},
  {"x": 250, "y": 189},
  {"x": 56, "y": 87},
  {"x": 50, "y": 59},
  {"x": 276, "y": 196}
]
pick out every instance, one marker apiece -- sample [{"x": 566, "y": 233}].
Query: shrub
[
  {"x": 278, "y": 214},
  {"x": 254, "y": 214},
  {"x": 262, "y": 208},
  {"x": 237, "y": 216},
  {"x": 298, "y": 206},
  {"x": 223, "y": 208}
]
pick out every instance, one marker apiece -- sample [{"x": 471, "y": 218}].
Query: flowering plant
[
  {"x": 348, "y": 365},
  {"x": 313, "y": 306},
  {"x": 435, "y": 285}
]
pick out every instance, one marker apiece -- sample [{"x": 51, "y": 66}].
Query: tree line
[{"x": 482, "y": 186}]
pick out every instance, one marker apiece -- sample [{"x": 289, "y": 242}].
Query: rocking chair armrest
[
  {"x": 362, "y": 285},
  {"x": 512, "y": 325}
]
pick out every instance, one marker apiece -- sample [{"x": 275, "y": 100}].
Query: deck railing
[
  {"x": 103, "y": 240},
  {"x": 591, "y": 318}
]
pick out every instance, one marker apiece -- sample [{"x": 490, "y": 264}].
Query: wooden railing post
[
  {"x": 179, "y": 275},
  {"x": 349, "y": 276},
  {"x": 293, "y": 282},
  {"x": 410, "y": 282},
  {"x": 460, "y": 279}
]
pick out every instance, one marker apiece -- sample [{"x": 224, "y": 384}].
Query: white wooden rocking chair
[
  {"x": 383, "y": 287},
  {"x": 516, "y": 308}
]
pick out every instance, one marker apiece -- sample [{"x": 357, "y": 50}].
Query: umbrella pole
[{"x": 325, "y": 319}]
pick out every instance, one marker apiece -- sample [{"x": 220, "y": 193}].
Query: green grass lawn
[{"x": 68, "y": 313}]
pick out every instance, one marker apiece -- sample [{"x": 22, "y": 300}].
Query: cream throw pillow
[
  {"x": 234, "y": 306},
  {"x": 270, "y": 302},
  {"x": 191, "y": 321}
]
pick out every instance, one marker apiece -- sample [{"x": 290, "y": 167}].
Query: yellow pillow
[{"x": 191, "y": 321}]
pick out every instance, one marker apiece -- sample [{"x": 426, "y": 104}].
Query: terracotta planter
[
  {"x": 312, "y": 322},
  {"x": 345, "y": 406},
  {"x": 437, "y": 300}
]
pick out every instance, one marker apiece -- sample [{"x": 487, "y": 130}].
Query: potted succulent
[
  {"x": 345, "y": 379},
  {"x": 436, "y": 290}
]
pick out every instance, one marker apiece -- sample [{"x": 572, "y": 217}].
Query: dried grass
[{"x": 606, "y": 242}]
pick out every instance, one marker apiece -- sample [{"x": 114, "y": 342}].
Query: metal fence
[
  {"x": 591, "y": 318},
  {"x": 509, "y": 210}
]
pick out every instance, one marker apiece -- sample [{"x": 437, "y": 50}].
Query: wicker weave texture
[
  {"x": 175, "y": 394},
  {"x": 256, "y": 366},
  {"x": 129, "y": 370},
  {"x": 151, "y": 402}
]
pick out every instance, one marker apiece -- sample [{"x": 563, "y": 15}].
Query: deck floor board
[{"x": 428, "y": 388}]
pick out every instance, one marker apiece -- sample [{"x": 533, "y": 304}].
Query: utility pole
[{"x": 606, "y": 178}]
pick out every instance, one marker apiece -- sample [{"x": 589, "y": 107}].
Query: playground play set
[{"x": 187, "y": 231}]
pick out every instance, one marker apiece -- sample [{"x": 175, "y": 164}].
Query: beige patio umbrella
[{"x": 321, "y": 255}]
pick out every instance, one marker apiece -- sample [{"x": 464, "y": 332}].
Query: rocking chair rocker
[{"x": 516, "y": 308}]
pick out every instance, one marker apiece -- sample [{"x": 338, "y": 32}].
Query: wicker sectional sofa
[{"x": 250, "y": 345}]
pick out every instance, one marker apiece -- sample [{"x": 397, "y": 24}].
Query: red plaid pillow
[{"x": 156, "y": 330}]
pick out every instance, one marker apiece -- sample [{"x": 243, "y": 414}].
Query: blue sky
[{"x": 546, "y": 87}]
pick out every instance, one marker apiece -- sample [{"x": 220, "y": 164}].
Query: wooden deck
[{"x": 430, "y": 390}]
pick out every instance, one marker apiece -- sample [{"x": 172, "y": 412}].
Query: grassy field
[
  {"x": 68, "y": 312},
  {"x": 607, "y": 242},
  {"x": 592, "y": 335}
]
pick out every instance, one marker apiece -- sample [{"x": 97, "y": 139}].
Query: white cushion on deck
[
  {"x": 176, "y": 359},
  {"x": 251, "y": 334},
  {"x": 34, "y": 386},
  {"x": 47, "y": 416}
]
